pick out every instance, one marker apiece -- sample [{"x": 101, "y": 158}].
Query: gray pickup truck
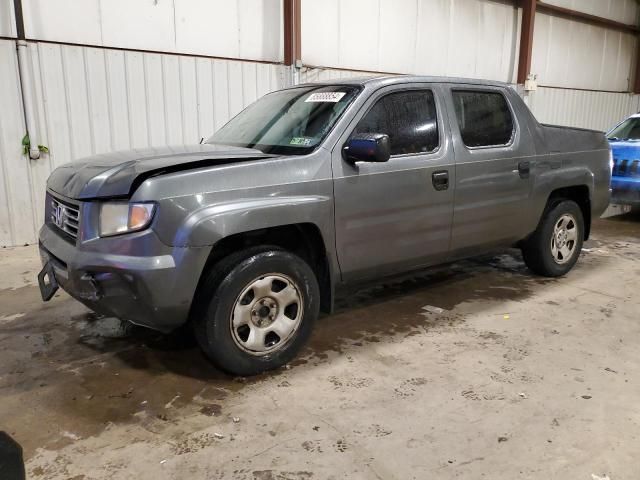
[{"x": 246, "y": 237}]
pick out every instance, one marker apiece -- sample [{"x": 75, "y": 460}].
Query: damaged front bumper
[{"x": 153, "y": 288}]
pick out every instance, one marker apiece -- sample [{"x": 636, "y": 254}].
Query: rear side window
[
  {"x": 484, "y": 118},
  {"x": 408, "y": 117}
]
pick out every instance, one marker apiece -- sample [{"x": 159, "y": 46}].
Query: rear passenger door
[
  {"x": 396, "y": 215},
  {"x": 493, "y": 156}
]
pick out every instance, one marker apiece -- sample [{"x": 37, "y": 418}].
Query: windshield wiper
[{"x": 615, "y": 139}]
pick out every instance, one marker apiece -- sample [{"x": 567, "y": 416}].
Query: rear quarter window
[{"x": 484, "y": 118}]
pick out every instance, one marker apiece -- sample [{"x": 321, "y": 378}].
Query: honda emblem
[{"x": 58, "y": 215}]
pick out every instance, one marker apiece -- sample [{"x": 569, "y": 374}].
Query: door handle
[
  {"x": 440, "y": 180},
  {"x": 524, "y": 169}
]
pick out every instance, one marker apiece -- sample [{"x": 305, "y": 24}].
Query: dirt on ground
[{"x": 477, "y": 369}]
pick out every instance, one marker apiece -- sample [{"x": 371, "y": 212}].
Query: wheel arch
[
  {"x": 302, "y": 239},
  {"x": 581, "y": 194}
]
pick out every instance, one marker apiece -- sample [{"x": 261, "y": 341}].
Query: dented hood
[{"x": 117, "y": 174}]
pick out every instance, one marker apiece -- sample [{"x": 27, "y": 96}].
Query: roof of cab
[{"x": 382, "y": 80}]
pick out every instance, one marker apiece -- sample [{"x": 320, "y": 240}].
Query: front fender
[{"x": 209, "y": 224}]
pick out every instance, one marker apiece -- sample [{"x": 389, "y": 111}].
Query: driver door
[{"x": 396, "y": 216}]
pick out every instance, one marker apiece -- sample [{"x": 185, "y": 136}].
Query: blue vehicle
[{"x": 625, "y": 175}]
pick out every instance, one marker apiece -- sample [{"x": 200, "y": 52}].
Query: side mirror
[{"x": 367, "y": 147}]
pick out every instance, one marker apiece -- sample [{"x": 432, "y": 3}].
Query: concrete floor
[{"x": 517, "y": 377}]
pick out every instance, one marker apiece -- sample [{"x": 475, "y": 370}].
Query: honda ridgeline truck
[{"x": 247, "y": 236}]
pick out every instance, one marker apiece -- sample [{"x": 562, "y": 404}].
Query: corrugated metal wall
[
  {"x": 17, "y": 223},
  {"x": 577, "y": 55},
  {"x": 7, "y": 20},
  {"x": 470, "y": 38},
  {"x": 584, "y": 109},
  {"x": 94, "y": 100},
  {"x": 249, "y": 29}
]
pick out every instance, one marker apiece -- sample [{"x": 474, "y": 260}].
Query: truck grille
[
  {"x": 64, "y": 216},
  {"x": 626, "y": 168}
]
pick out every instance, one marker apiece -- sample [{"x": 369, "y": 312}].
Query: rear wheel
[
  {"x": 555, "y": 246},
  {"x": 256, "y": 309}
]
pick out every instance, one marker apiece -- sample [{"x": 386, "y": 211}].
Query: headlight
[{"x": 118, "y": 218}]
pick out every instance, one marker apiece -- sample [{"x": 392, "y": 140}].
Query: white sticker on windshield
[
  {"x": 302, "y": 141},
  {"x": 332, "y": 97}
]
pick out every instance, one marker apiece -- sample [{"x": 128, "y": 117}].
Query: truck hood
[{"x": 118, "y": 174}]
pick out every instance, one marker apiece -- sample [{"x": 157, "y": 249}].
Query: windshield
[
  {"x": 291, "y": 122},
  {"x": 627, "y": 130}
]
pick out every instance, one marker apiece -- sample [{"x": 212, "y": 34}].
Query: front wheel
[
  {"x": 256, "y": 309},
  {"x": 555, "y": 246}
]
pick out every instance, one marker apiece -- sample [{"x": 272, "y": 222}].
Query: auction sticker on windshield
[
  {"x": 302, "y": 141},
  {"x": 331, "y": 97}
]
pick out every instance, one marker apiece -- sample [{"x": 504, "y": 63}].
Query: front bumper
[
  {"x": 625, "y": 190},
  {"x": 134, "y": 277}
]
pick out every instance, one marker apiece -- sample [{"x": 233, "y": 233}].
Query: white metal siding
[
  {"x": 625, "y": 11},
  {"x": 573, "y": 54},
  {"x": 93, "y": 100},
  {"x": 17, "y": 225},
  {"x": 578, "y": 55},
  {"x": 249, "y": 29},
  {"x": 585, "y": 109},
  {"x": 471, "y": 38},
  {"x": 7, "y": 21}
]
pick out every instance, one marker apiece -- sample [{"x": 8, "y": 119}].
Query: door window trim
[
  {"x": 514, "y": 122},
  {"x": 408, "y": 88}
]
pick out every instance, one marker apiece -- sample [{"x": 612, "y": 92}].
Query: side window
[
  {"x": 408, "y": 117},
  {"x": 484, "y": 118}
]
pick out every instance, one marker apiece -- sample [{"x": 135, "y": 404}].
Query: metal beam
[
  {"x": 292, "y": 31},
  {"x": 526, "y": 39},
  {"x": 17, "y": 6},
  {"x": 636, "y": 79},
  {"x": 569, "y": 14}
]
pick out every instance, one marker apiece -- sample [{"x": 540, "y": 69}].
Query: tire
[
  {"x": 255, "y": 309},
  {"x": 544, "y": 252}
]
